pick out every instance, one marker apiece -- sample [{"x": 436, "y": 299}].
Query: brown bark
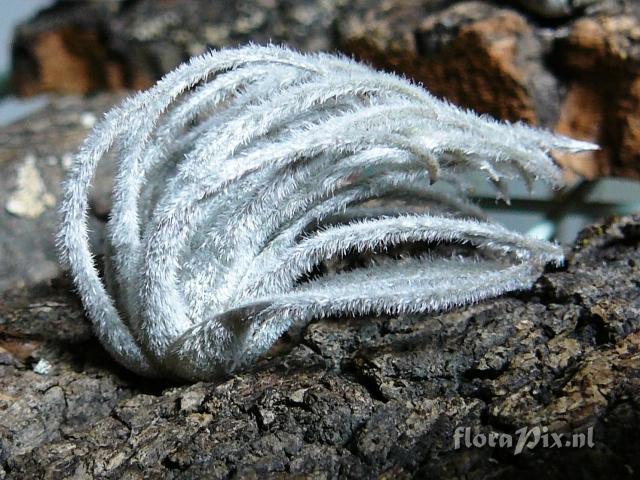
[
  {"x": 35, "y": 155},
  {"x": 571, "y": 65},
  {"x": 343, "y": 398}
]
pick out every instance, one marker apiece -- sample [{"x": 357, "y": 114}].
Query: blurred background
[
  {"x": 568, "y": 65},
  {"x": 14, "y": 12}
]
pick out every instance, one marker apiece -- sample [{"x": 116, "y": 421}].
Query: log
[
  {"x": 381, "y": 397},
  {"x": 570, "y": 65}
]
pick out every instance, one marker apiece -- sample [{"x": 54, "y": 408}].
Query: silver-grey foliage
[{"x": 244, "y": 169}]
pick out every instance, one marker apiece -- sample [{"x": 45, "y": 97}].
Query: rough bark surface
[
  {"x": 572, "y": 65},
  {"x": 34, "y": 157},
  {"x": 343, "y": 398}
]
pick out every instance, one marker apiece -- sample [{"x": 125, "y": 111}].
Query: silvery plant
[{"x": 245, "y": 170}]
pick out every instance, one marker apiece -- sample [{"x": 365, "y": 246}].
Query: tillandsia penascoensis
[{"x": 244, "y": 169}]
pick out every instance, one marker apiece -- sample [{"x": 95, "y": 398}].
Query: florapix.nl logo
[{"x": 523, "y": 438}]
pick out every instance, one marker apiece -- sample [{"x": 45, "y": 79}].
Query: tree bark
[
  {"x": 569, "y": 65},
  {"x": 382, "y": 397},
  {"x": 342, "y": 398}
]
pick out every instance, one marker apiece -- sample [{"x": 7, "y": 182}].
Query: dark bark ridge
[{"x": 348, "y": 398}]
